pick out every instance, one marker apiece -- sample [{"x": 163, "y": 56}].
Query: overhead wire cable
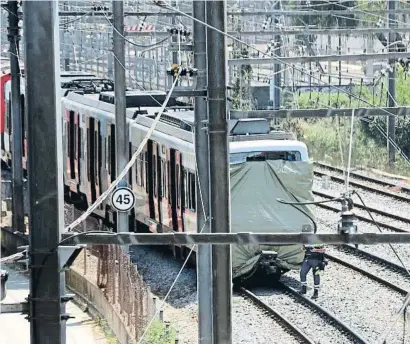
[
  {"x": 131, "y": 42},
  {"x": 274, "y": 56}
]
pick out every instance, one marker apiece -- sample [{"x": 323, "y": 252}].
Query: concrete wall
[
  {"x": 97, "y": 304},
  {"x": 87, "y": 292}
]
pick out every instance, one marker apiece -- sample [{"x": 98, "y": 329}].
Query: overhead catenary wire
[
  {"x": 131, "y": 42},
  {"x": 274, "y": 56}
]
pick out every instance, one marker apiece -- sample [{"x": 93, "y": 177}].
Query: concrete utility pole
[
  {"x": 121, "y": 128},
  {"x": 391, "y": 120},
  {"x": 277, "y": 66},
  {"x": 219, "y": 171},
  {"x": 44, "y": 127},
  {"x": 204, "y": 262},
  {"x": 16, "y": 121}
]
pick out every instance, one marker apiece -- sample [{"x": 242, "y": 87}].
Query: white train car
[{"x": 164, "y": 179}]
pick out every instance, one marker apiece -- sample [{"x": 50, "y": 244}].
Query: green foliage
[
  {"x": 241, "y": 96},
  {"x": 328, "y": 20},
  {"x": 370, "y": 143},
  {"x": 158, "y": 334},
  {"x": 109, "y": 335},
  {"x": 328, "y": 141},
  {"x": 325, "y": 21}
]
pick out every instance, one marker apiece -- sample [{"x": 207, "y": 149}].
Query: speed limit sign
[{"x": 123, "y": 199}]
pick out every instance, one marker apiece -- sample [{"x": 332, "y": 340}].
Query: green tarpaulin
[{"x": 255, "y": 188}]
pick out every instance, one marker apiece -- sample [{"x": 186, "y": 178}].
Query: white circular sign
[{"x": 123, "y": 199}]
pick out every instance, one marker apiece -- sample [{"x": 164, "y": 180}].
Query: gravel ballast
[{"x": 371, "y": 199}]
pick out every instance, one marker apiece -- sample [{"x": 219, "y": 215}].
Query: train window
[
  {"x": 237, "y": 158},
  {"x": 185, "y": 183},
  {"x": 146, "y": 170},
  {"x": 8, "y": 121},
  {"x": 169, "y": 186},
  {"x": 80, "y": 134},
  {"x": 154, "y": 172},
  {"x": 67, "y": 131},
  {"x": 192, "y": 192},
  {"x": 112, "y": 153},
  {"x": 178, "y": 185},
  {"x": 140, "y": 174},
  {"x": 89, "y": 154},
  {"x": 108, "y": 143},
  {"x": 96, "y": 157},
  {"x": 163, "y": 186}
]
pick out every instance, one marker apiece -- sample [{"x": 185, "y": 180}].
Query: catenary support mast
[
  {"x": 16, "y": 121},
  {"x": 219, "y": 170},
  {"x": 391, "y": 120},
  {"x": 121, "y": 132},
  {"x": 204, "y": 263},
  {"x": 44, "y": 127}
]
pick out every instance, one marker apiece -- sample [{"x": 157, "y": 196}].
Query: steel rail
[
  {"x": 364, "y": 186},
  {"x": 276, "y": 314},
  {"x": 373, "y": 258},
  {"x": 361, "y": 206},
  {"x": 366, "y": 273},
  {"x": 365, "y": 219},
  {"x": 363, "y": 177},
  {"x": 337, "y": 322}
]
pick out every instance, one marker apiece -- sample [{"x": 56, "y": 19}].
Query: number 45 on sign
[{"x": 123, "y": 199}]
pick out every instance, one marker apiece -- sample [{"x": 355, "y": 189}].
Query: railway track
[
  {"x": 379, "y": 186},
  {"x": 329, "y": 318},
  {"x": 345, "y": 248},
  {"x": 277, "y": 315},
  {"x": 327, "y": 206},
  {"x": 383, "y": 281}
]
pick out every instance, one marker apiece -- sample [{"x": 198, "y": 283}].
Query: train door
[
  {"x": 91, "y": 161},
  {"x": 71, "y": 151},
  {"x": 176, "y": 185},
  {"x": 156, "y": 176},
  {"x": 78, "y": 134},
  {"x": 98, "y": 160},
  {"x": 110, "y": 161},
  {"x": 150, "y": 179},
  {"x": 159, "y": 183}
]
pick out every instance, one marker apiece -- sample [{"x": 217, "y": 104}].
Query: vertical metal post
[
  {"x": 109, "y": 58},
  {"x": 66, "y": 53},
  {"x": 174, "y": 38},
  {"x": 204, "y": 262},
  {"x": 16, "y": 122},
  {"x": 121, "y": 133},
  {"x": 277, "y": 74},
  {"x": 391, "y": 120},
  {"x": 219, "y": 171},
  {"x": 44, "y": 127}
]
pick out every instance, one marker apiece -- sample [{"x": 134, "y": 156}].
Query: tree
[{"x": 402, "y": 123}]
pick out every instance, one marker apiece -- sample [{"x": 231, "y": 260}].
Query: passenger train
[{"x": 163, "y": 178}]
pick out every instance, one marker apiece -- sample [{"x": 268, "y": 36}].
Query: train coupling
[{"x": 267, "y": 261}]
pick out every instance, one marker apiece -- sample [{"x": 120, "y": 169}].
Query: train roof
[
  {"x": 137, "y": 98},
  {"x": 269, "y": 145},
  {"x": 75, "y": 73},
  {"x": 180, "y": 123}
]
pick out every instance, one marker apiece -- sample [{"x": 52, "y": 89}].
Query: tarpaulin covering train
[{"x": 255, "y": 188}]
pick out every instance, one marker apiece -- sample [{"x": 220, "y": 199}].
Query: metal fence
[{"x": 116, "y": 275}]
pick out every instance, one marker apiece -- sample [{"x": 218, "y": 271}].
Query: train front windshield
[{"x": 237, "y": 158}]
